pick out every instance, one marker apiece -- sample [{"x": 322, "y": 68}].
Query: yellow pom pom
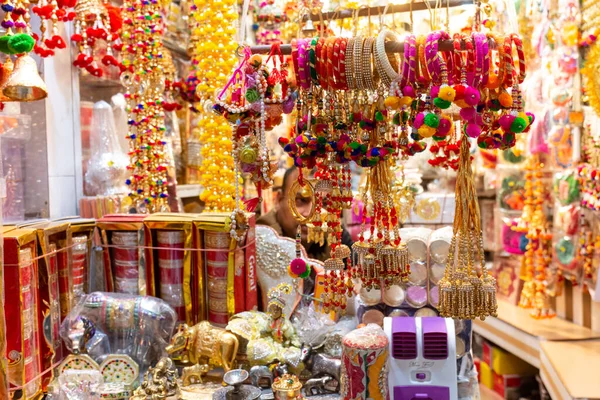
[
  {"x": 392, "y": 102},
  {"x": 426, "y": 131},
  {"x": 524, "y": 116},
  {"x": 406, "y": 101},
  {"x": 447, "y": 93}
]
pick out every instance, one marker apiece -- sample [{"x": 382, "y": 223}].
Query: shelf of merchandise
[
  {"x": 543, "y": 343},
  {"x": 569, "y": 370},
  {"x": 187, "y": 191}
]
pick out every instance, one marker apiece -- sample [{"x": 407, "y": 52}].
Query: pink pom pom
[
  {"x": 419, "y": 120},
  {"x": 297, "y": 266},
  {"x": 506, "y": 121},
  {"x": 468, "y": 114},
  {"x": 443, "y": 127},
  {"x": 472, "y": 96},
  {"x": 409, "y": 91},
  {"x": 473, "y": 130},
  {"x": 435, "y": 90}
]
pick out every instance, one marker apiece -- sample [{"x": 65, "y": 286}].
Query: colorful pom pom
[
  {"x": 426, "y": 131},
  {"x": 392, "y": 102},
  {"x": 432, "y": 120},
  {"x": 518, "y": 125},
  {"x": 473, "y": 130},
  {"x": 419, "y": 120},
  {"x": 441, "y": 103},
  {"x": 21, "y": 43},
  {"x": 447, "y": 93},
  {"x": 297, "y": 267},
  {"x": 472, "y": 96},
  {"x": 505, "y": 100}
]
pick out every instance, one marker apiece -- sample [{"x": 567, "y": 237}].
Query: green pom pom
[
  {"x": 306, "y": 272},
  {"x": 441, "y": 103},
  {"x": 354, "y": 145},
  {"x": 378, "y": 116},
  {"x": 321, "y": 140},
  {"x": 4, "y": 44},
  {"x": 518, "y": 125},
  {"x": 362, "y": 124},
  {"x": 396, "y": 119},
  {"x": 252, "y": 95},
  {"x": 432, "y": 120},
  {"x": 21, "y": 43},
  {"x": 405, "y": 117}
]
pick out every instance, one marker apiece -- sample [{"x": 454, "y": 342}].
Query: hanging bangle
[
  {"x": 321, "y": 61},
  {"x": 295, "y": 61},
  {"x": 508, "y": 63},
  {"x": 313, "y": 61},
  {"x": 382, "y": 63},
  {"x": 486, "y": 59},
  {"x": 358, "y": 71},
  {"x": 521, "y": 54},
  {"x": 424, "y": 76},
  {"x": 341, "y": 77},
  {"x": 478, "y": 60},
  {"x": 293, "y": 191},
  {"x": 330, "y": 81},
  {"x": 303, "y": 64},
  {"x": 367, "y": 64},
  {"x": 350, "y": 71},
  {"x": 412, "y": 60}
]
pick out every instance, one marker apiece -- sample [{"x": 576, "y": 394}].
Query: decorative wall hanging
[{"x": 144, "y": 81}]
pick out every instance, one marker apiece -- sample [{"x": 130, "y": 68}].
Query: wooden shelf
[
  {"x": 570, "y": 369},
  {"x": 563, "y": 351},
  {"x": 520, "y": 334}
]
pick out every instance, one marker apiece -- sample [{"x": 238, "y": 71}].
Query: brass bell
[
  {"x": 7, "y": 70},
  {"x": 309, "y": 26},
  {"x": 25, "y": 83}
]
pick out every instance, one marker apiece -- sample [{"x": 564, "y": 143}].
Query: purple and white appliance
[{"x": 422, "y": 364}]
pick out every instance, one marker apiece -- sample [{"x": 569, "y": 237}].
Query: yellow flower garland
[{"x": 213, "y": 58}]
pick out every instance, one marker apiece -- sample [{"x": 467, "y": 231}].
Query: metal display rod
[
  {"x": 391, "y": 9},
  {"x": 390, "y": 47}
]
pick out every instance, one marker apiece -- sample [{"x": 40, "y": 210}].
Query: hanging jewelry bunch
[
  {"x": 21, "y": 80},
  {"x": 253, "y": 101},
  {"x": 144, "y": 81},
  {"x": 538, "y": 257},
  {"x": 213, "y": 57},
  {"x": 96, "y": 22},
  {"x": 359, "y": 100}
]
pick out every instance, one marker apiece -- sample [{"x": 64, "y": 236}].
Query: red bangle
[
  {"x": 330, "y": 61},
  {"x": 521, "y": 54},
  {"x": 319, "y": 51},
  {"x": 341, "y": 65},
  {"x": 458, "y": 59},
  {"x": 508, "y": 62}
]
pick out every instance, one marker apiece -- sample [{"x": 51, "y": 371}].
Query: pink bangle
[
  {"x": 431, "y": 55},
  {"x": 412, "y": 59},
  {"x": 478, "y": 60},
  {"x": 303, "y": 67},
  {"x": 405, "y": 63},
  {"x": 486, "y": 59}
]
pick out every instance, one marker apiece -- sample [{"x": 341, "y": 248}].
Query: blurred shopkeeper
[{"x": 284, "y": 223}]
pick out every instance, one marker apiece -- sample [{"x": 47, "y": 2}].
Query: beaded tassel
[{"x": 467, "y": 293}]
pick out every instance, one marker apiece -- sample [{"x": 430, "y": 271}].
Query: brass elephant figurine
[{"x": 203, "y": 344}]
